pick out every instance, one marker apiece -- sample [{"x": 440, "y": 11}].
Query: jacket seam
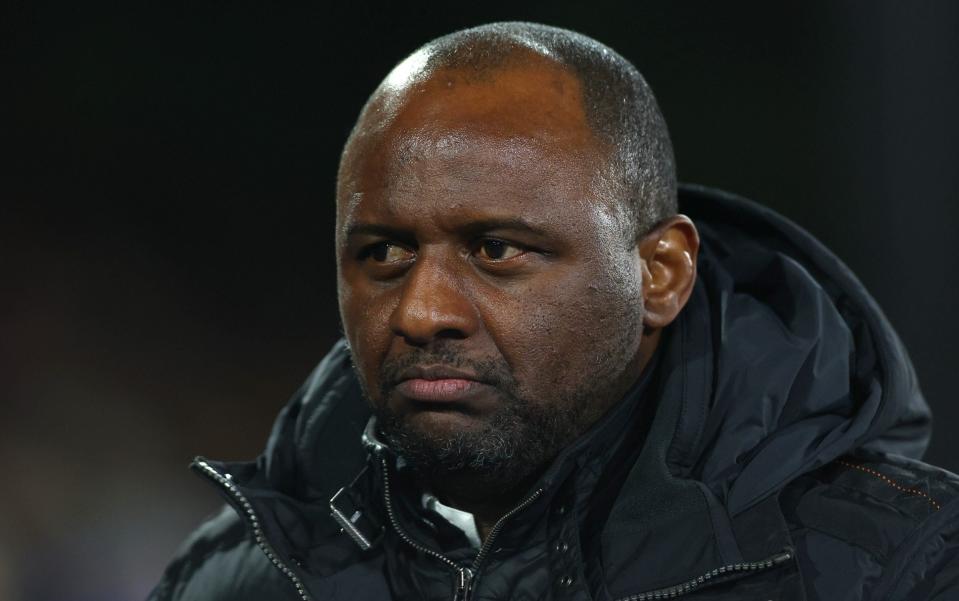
[
  {"x": 889, "y": 481},
  {"x": 892, "y": 506}
]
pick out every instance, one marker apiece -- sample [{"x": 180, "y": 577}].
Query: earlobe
[{"x": 668, "y": 255}]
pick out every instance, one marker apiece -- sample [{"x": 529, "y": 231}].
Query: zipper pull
[
  {"x": 463, "y": 584},
  {"x": 779, "y": 558}
]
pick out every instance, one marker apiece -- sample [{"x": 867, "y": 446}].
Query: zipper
[
  {"x": 226, "y": 483},
  {"x": 464, "y": 577},
  {"x": 495, "y": 530},
  {"x": 734, "y": 570}
]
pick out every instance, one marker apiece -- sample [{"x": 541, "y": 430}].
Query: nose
[{"x": 432, "y": 305}]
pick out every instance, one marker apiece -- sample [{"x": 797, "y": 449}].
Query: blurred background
[{"x": 166, "y": 275}]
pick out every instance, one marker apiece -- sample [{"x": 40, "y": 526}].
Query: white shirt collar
[{"x": 460, "y": 519}]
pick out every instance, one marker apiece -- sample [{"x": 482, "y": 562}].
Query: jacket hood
[
  {"x": 780, "y": 363},
  {"x": 799, "y": 365}
]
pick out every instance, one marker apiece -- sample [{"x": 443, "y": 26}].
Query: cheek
[
  {"x": 539, "y": 331},
  {"x": 365, "y": 318},
  {"x": 559, "y": 337}
]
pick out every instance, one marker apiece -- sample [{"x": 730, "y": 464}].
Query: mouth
[
  {"x": 440, "y": 384},
  {"x": 446, "y": 390}
]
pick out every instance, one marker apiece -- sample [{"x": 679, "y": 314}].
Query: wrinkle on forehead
[
  {"x": 462, "y": 165},
  {"x": 440, "y": 153}
]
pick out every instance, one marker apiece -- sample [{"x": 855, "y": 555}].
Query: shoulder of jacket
[
  {"x": 217, "y": 561},
  {"x": 878, "y": 502},
  {"x": 333, "y": 371}
]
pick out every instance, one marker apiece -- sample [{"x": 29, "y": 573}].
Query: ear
[{"x": 668, "y": 257}]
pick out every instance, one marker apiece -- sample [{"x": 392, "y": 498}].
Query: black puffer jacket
[{"x": 771, "y": 452}]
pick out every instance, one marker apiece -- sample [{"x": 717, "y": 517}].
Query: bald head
[{"x": 546, "y": 84}]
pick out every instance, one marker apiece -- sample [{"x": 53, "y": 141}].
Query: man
[{"x": 555, "y": 386}]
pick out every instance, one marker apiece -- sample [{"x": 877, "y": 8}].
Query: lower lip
[{"x": 444, "y": 391}]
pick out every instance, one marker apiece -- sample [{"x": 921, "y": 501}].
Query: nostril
[
  {"x": 444, "y": 334},
  {"x": 414, "y": 340},
  {"x": 451, "y": 333}
]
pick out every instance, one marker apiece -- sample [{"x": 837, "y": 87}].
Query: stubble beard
[
  {"x": 512, "y": 446},
  {"x": 506, "y": 449}
]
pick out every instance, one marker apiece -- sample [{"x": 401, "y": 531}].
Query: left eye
[{"x": 497, "y": 250}]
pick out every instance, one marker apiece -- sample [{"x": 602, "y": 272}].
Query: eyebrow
[
  {"x": 472, "y": 228},
  {"x": 508, "y": 223}
]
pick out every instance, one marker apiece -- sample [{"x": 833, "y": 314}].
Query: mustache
[{"x": 491, "y": 371}]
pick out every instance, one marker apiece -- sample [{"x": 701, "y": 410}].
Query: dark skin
[{"x": 472, "y": 216}]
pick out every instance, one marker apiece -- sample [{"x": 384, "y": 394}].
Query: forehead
[
  {"x": 454, "y": 178},
  {"x": 505, "y": 136},
  {"x": 530, "y": 96}
]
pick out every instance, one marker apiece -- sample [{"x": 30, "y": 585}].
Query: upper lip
[{"x": 436, "y": 372}]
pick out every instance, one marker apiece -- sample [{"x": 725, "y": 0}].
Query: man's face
[{"x": 491, "y": 300}]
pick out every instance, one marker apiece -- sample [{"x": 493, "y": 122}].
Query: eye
[
  {"x": 491, "y": 249},
  {"x": 385, "y": 252}
]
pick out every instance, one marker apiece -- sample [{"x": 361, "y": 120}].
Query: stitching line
[{"x": 891, "y": 482}]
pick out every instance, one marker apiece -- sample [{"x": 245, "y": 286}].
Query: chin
[
  {"x": 449, "y": 441},
  {"x": 443, "y": 424}
]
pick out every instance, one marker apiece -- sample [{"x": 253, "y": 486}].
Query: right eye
[{"x": 386, "y": 252}]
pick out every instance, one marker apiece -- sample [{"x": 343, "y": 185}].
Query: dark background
[{"x": 167, "y": 201}]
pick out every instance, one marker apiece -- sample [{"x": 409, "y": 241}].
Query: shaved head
[{"x": 573, "y": 85}]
